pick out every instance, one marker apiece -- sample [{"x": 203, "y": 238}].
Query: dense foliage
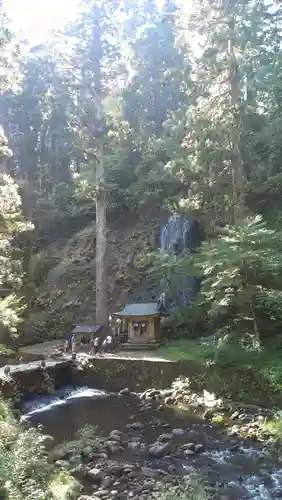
[
  {"x": 25, "y": 471},
  {"x": 11, "y": 220},
  {"x": 188, "y": 120}
]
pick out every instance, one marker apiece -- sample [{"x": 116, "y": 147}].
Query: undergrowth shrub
[
  {"x": 25, "y": 473},
  {"x": 192, "y": 487}
]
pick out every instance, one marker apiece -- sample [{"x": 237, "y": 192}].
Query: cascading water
[
  {"x": 60, "y": 398},
  {"x": 180, "y": 234}
]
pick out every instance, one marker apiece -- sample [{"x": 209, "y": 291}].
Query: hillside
[{"x": 66, "y": 274}]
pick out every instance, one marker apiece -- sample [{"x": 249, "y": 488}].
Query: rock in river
[
  {"x": 158, "y": 449},
  {"x": 188, "y": 452},
  {"x": 101, "y": 493},
  {"x": 169, "y": 400},
  {"x": 178, "y": 432},
  {"x": 114, "y": 447},
  {"x": 115, "y": 435},
  {"x": 188, "y": 446},
  {"x": 135, "y": 426},
  {"x": 86, "y": 497},
  {"x": 163, "y": 438},
  {"x": 57, "y": 453},
  {"x": 96, "y": 475},
  {"x": 124, "y": 392}
]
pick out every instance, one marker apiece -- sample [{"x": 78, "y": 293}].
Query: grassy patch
[
  {"x": 188, "y": 350},
  {"x": 231, "y": 369},
  {"x": 206, "y": 351}
]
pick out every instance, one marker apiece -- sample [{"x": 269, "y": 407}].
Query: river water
[{"x": 242, "y": 469}]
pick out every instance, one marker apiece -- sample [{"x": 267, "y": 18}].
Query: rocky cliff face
[{"x": 63, "y": 275}]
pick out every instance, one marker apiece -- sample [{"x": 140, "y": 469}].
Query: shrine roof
[
  {"x": 86, "y": 328},
  {"x": 140, "y": 309}
]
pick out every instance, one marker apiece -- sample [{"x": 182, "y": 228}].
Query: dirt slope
[{"x": 66, "y": 271}]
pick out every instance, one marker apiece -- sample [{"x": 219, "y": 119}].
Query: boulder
[
  {"x": 116, "y": 469},
  {"x": 166, "y": 393},
  {"x": 153, "y": 393},
  {"x": 101, "y": 493},
  {"x": 80, "y": 472},
  {"x": 194, "y": 436},
  {"x": 114, "y": 437},
  {"x": 188, "y": 446},
  {"x": 198, "y": 447},
  {"x": 158, "y": 449},
  {"x": 107, "y": 481},
  {"x": 160, "y": 408},
  {"x": 145, "y": 407},
  {"x": 114, "y": 447},
  {"x": 234, "y": 415},
  {"x": 63, "y": 464},
  {"x": 178, "y": 432},
  {"x": 86, "y": 497},
  {"x": 58, "y": 453},
  {"x": 124, "y": 392},
  {"x": 133, "y": 445},
  {"x": 147, "y": 472},
  {"x": 135, "y": 426},
  {"x": 179, "y": 398},
  {"x": 188, "y": 453},
  {"x": 165, "y": 437},
  {"x": 169, "y": 400},
  {"x": 115, "y": 433},
  {"x": 209, "y": 414},
  {"x": 98, "y": 456},
  {"x": 96, "y": 475},
  {"x": 148, "y": 486}
]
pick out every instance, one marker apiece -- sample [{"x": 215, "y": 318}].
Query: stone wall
[
  {"x": 113, "y": 374},
  {"x": 32, "y": 378},
  {"x": 240, "y": 383}
]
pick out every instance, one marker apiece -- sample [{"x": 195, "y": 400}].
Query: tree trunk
[
  {"x": 102, "y": 312},
  {"x": 236, "y": 159}
]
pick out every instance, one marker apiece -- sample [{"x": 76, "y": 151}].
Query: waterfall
[{"x": 181, "y": 234}]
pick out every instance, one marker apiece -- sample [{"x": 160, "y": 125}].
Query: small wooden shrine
[
  {"x": 85, "y": 332},
  {"x": 142, "y": 323}
]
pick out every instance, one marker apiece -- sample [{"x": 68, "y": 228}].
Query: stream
[{"x": 237, "y": 468}]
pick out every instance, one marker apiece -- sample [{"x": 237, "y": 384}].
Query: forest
[{"x": 134, "y": 111}]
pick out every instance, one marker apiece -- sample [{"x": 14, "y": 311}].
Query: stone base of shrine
[{"x": 140, "y": 346}]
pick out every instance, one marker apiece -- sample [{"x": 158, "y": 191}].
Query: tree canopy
[{"x": 190, "y": 121}]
